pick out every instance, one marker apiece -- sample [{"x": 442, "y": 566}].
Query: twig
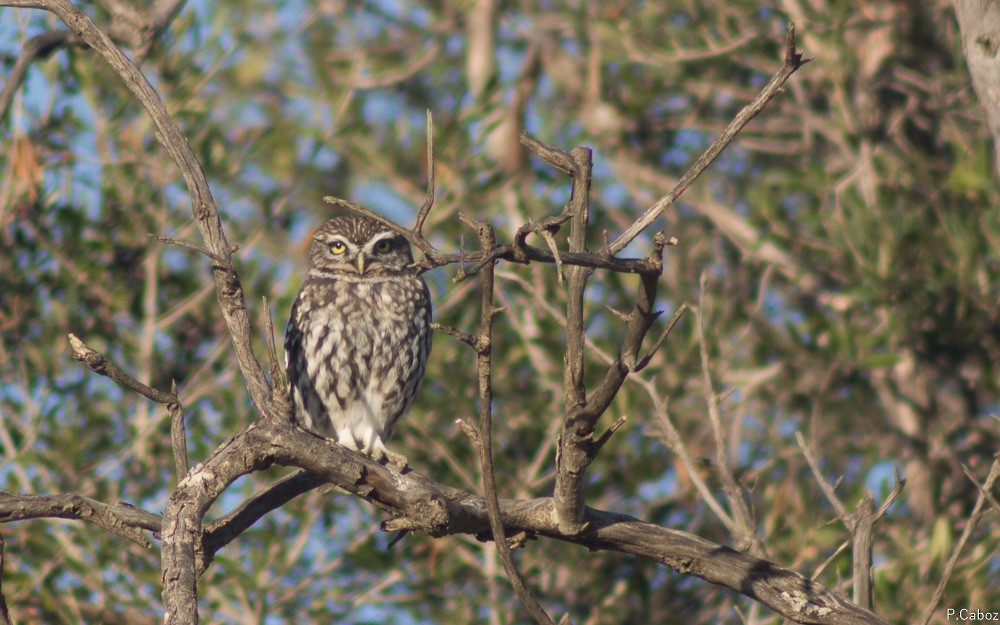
[
  {"x": 203, "y": 207},
  {"x": 469, "y": 339},
  {"x": 828, "y": 491},
  {"x": 989, "y": 496},
  {"x": 277, "y": 370},
  {"x": 974, "y": 519},
  {"x": 604, "y": 438},
  {"x": 36, "y": 48},
  {"x": 676, "y": 445},
  {"x": 101, "y": 364},
  {"x": 744, "y": 533},
  {"x": 550, "y": 240},
  {"x": 4, "y": 614},
  {"x": 641, "y": 364},
  {"x": 516, "y": 252},
  {"x": 483, "y": 435},
  {"x": 792, "y": 62},
  {"x": 188, "y": 503},
  {"x": 189, "y": 246},
  {"x": 860, "y": 524},
  {"x": 425, "y": 209}
]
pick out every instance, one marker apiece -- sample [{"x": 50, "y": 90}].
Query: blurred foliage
[{"x": 849, "y": 239}]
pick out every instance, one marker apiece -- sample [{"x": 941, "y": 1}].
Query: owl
[{"x": 359, "y": 335}]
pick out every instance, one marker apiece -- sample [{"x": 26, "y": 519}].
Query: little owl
[{"x": 359, "y": 335}]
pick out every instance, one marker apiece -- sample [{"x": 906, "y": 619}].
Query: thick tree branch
[
  {"x": 573, "y": 449},
  {"x": 119, "y": 519},
  {"x": 223, "y": 531},
  {"x": 417, "y": 503}
]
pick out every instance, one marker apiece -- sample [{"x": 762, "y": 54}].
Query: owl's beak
[{"x": 361, "y": 264}]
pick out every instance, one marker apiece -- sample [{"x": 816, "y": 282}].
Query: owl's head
[{"x": 358, "y": 246}]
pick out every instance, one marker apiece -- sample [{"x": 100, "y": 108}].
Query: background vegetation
[{"x": 843, "y": 256}]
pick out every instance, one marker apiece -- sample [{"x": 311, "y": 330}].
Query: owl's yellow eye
[
  {"x": 338, "y": 248},
  {"x": 383, "y": 246}
]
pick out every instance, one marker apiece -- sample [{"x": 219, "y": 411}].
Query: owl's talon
[{"x": 397, "y": 460}]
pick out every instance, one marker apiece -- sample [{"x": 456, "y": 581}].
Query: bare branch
[
  {"x": 970, "y": 525},
  {"x": 221, "y": 532},
  {"x": 793, "y": 61},
  {"x": 743, "y": 527},
  {"x": 140, "y": 31},
  {"x": 469, "y": 339},
  {"x": 102, "y": 365},
  {"x": 419, "y": 504},
  {"x": 189, "y": 246},
  {"x": 120, "y": 519},
  {"x": 37, "y": 47},
  {"x": 575, "y": 450},
  {"x": 483, "y": 435},
  {"x": 516, "y": 252},
  {"x": 828, "y": 491},
  {"x": 604, "y": 438},
  {"x": 4, "y": 614},
  {"x": 860, "y": 523},
  {"x": 228, "y": 288},
  {"x": 425, "y": 209},
  {"x": 276, "y": 368}
]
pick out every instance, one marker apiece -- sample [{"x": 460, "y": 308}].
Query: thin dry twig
[
  {"x": 860, "y": 524},
  {"x": 516, "y": 251},
  {"x": 792, "y": 62},
  {"x": 38, "y": 47},
  {"x": 970, "y": 525},
  {"x": 425, "y": 209},
  {"x": 139, "y": 33},
  {"x": 101, "y": 364},
  {"x": 483, "y": 435},
  {"x": 742, "y": 528},
  {"x": 276, "y": 368},
  {"x": 4, "y": 613},
  {"x": 187, "y": 245},
  {"x": 641, "y": 364}
]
